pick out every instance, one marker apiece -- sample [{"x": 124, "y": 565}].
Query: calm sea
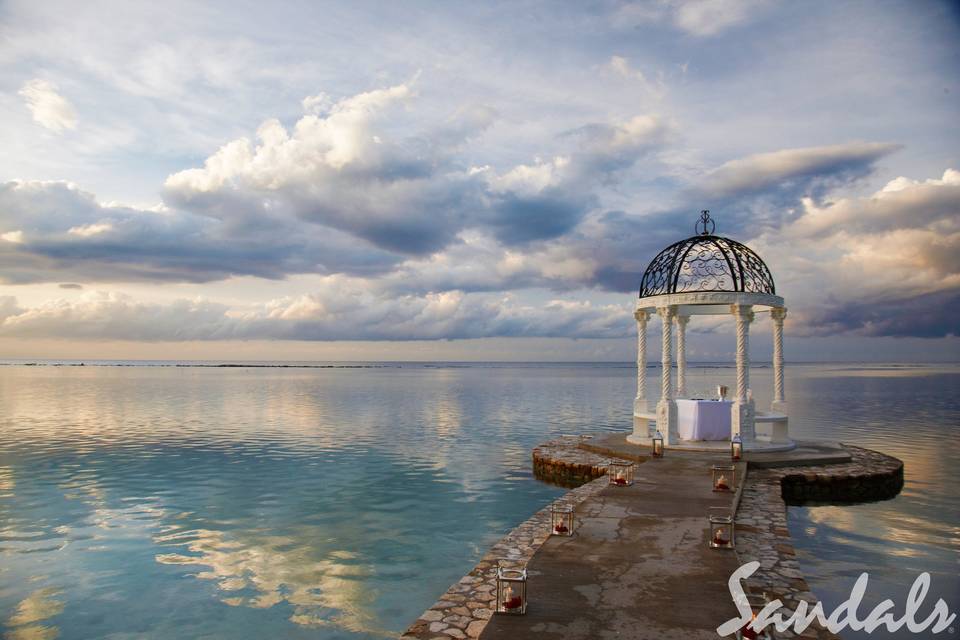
[{"x": 185, "y": 502}]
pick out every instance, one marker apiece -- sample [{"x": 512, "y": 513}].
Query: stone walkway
[{"x": 639, "y": 565}]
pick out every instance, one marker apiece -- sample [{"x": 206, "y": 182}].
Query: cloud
[
  {"x": 701, "y": 18},
  {"x": 901, "y": 202},
  {"x": 341, "y": 171},
  {"x": 339, "y": 192},
  {"x": 710, "y": 17},
  {"x": 932, "y": 315},
  {"x": 48, "y": 108},
  {"x": 609, "y": 250},
  {"x": 815, "y": 168},
  {"x": 754, "y": 195},
  {"x": 343, "y": 309},
  {"x": 882, "y": 264},
  {"x": 64, "y": 231},
  {"x": 409, "y": 195},
  {"x": 621, "y": 66},
  {"x": 9, "y": 307},
  {"x": 86, "y": 231},
  {"x": 850, "y": 265}
]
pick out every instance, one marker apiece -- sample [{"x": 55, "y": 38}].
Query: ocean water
[{"x": 252, "y": 502}]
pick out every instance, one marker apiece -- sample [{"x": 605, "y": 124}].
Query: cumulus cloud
[
  {"x": 882, "y": 264},
  {"x": 750, "y": 197},
  {"x": 342, "y": 309},
  {"x": 339, "y": 192},
  {"x": 338, "y": 170},
  {"x": 901, "y": 202},
  {"x": 48, "y": 108},
  {"x": 61, "y": 230},
  {"x": 409, "y": 195}
]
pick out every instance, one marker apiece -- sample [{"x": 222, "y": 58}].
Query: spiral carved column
[
  {"x": 779, "y": 401},
  {"x": 640, "y": 402},
  {"x": 742, "y": 416},
  {"x": 666, "y": 353},
  {"x": 743, "y": 351},
  {"x": 667, "y": 407},
  {"x": 682, "y": 355}
]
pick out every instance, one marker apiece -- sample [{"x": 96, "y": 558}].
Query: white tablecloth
[{"x": 703, "y": 419}]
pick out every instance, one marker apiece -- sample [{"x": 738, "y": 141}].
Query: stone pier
[{"x": 638, "y": 565}]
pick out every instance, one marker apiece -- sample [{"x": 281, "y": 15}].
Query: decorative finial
[{"x": 705, "y": 225}]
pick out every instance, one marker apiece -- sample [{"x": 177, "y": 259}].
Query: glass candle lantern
[
  {"x": 724, "y": 478},
  {"x": 721, "y": 528},
  {"x": 561, "y": 520},
  {"x": 657, "y": 442},
  {"x": 736, "y": 447},
  {"x": 511, "y": 590},
  {"x": 757, "y": 603},
  {"x": 620, "y": 474},
  {"x": 721, "y": 392}
]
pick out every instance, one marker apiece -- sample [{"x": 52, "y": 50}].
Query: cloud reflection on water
[
  {"x": 39, "y": 606},
  {"x": 260, "y": 572}
]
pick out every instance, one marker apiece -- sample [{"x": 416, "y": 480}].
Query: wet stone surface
[{"x": 465, "y": 610}]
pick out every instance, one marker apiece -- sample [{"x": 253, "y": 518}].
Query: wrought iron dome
[{"x": 706, "y": 262}]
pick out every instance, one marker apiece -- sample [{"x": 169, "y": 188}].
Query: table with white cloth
[{"x": 703, "y": 419}]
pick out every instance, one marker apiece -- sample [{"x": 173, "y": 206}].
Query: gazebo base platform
[{"x": 717, "y": 445}]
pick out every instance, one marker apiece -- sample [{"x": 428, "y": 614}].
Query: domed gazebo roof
[{"x": 706, "y": 263}]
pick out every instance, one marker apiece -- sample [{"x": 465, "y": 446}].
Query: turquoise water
[
  {"x": 915, "y": 416},
  {"x": 162, "y": 502}
]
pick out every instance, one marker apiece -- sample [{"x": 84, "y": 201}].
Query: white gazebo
[{"x": 708, "y": 275}]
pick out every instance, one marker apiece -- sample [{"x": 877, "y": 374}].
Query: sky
[{"x": 470, "y": 181}]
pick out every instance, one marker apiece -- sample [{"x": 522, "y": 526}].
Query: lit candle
[
  {"x": 509, "y": 600},
  {"x": 736, "y": 447},
  {"x": 747, "y": 632},
  {"x": 560, "y": 528},
  {"x": 722, "y": 483},
  {"x": 718, "y": 537},
  {"x": 619, "y": 479}
]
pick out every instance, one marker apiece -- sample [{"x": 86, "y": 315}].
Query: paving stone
[
  {"x": 762, "y": 534},
  {"x": 475, "y": 628}
]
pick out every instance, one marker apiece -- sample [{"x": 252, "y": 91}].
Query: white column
[
  {"x": 779, "y": 404},
  {"x": 742, "y": 412},
  {"x": 682, "y": 355},
  {"x": 640, "y": 402},
  {"x": 667, "y": 407}
]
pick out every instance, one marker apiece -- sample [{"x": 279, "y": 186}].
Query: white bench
[{"x": 772, "y": 427}]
